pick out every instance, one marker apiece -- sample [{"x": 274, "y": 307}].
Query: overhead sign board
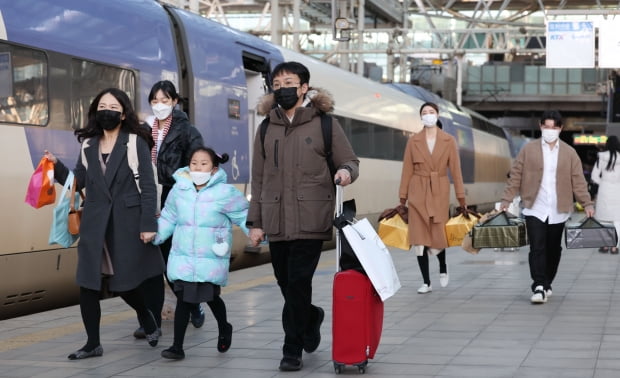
[
  {"x": 609, "y": 44},
  {"x": 589, "y": 139},
  {"x": 570, "y": 44}
]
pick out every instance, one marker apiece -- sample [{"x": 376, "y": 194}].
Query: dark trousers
[
  {"x": 294, "y": 263},
  {"x": 545, "y": 250}
]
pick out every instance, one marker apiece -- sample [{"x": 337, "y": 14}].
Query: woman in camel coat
[{"x": 426, "y": 186}]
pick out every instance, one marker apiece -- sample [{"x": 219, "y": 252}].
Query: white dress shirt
[{"x": 545, "y": 207}]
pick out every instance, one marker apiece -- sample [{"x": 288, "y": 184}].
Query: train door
[{"x": 256, "y": 75}]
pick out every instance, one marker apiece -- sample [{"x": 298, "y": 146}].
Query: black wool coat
[
  {"x": 174, "y": 151},
  {"x": 115, "y": 212}
]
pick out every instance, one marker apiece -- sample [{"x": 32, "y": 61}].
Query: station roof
[{"x": 385, "y": 13}]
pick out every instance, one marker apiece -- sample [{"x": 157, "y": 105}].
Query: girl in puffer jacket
[{"x": 199, "y": 213}]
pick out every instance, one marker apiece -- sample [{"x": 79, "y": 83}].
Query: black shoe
[
  {"x": 153, "y": 338},
  {"x": 291, "y": 363},
  {"x": 225, "y": 338},
  {"x": 82, "y": 354},
  {"x": 312, "y": 339},
  {"x": 197, "y": 317},
  {"x": 173, "y": 353},
  {"x": 139, "y": 333}
]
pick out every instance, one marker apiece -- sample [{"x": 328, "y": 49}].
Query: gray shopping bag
[{"x": 590, "y": 233}]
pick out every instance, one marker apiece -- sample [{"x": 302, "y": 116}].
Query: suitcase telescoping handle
[{"x": 339, "y": 194}]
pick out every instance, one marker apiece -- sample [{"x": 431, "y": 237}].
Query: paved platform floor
[{"x": 481, "y": 325}]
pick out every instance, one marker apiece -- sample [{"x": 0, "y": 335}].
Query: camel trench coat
[{"x": 426, "y": 185}]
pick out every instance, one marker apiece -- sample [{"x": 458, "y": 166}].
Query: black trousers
[
  {"x": 545, "y": 250},
  {"x": 294, "y": 263}
]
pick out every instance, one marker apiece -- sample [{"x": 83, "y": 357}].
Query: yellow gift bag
[
  {"x": 457, "y": 227},
  {"x": 394, "y": 232}
]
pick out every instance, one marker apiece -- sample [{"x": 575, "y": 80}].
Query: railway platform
[{"x": 481, "y": 325}]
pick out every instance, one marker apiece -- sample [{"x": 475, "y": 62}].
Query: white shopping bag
[{"x": 374, "y": 257}]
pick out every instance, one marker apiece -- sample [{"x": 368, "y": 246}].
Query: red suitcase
[
  {"x": 357, "y": 314},
  {"x": 357, "y": 320}
]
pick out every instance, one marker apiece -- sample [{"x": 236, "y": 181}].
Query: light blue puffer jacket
[{"x": 202, "y": 225}]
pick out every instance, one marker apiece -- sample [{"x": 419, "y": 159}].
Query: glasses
[
  {"x": 554, "y": 127},
  {"x": 286, "y": 84}
]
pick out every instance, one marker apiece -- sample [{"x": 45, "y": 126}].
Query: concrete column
[
  {"x": 360, "y": 36},
  {"x": 296, "y": 17},
  {"x": 276, "y": 23},
  {"x": 344, "y": 58},
  {"x": 459, "y": 79}
]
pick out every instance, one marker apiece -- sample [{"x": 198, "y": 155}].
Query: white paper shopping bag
[{"x": 374, "y": 257}]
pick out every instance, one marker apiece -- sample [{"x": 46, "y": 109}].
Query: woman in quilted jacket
[{"x": 199, "y": 213}]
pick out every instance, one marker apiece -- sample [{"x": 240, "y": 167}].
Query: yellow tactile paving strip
[{"x": 56, "y": 332}]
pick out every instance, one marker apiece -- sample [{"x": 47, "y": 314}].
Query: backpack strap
[
  {"x": 85, "y": 143},
  {"x": 134, "y": 164},
  {"x": 132, "y": 158}
]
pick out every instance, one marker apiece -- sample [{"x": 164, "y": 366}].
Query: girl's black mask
[
  {"x": 286, "y": 97},
  {"x": 108, "y": 119}
]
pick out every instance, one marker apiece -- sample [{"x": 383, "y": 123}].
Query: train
[{"x": 56, "y": 55}]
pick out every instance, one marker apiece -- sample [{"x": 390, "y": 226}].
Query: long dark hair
[
  {"x": 130, "y": 124},
  {"x": 613, "y": 146},
  {"x": 216, "y": 159}
]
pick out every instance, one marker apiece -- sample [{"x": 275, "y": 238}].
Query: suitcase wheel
[
  {"x": 338, "y": 368},
  {"x": 362, "y": 367}
]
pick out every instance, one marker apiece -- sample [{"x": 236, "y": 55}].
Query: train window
[
  {"x": 89, "y": 79},
  {"x": 23, "y": 85},
  {"x": 383, "y": 142},
  {"x": 374, "y": 141}
]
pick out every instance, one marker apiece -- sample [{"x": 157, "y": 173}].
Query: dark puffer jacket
[
  {"x": 292, "y": 188},
  {"x": 174, "y": 152}
]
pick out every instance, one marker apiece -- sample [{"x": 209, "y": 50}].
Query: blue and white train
[{"x": 55, "y": 55}]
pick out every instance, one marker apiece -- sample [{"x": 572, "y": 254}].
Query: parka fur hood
[{"x": 318, "y": 98}]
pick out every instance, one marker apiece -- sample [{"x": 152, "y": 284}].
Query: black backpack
[{"x": 326, "y": 128}]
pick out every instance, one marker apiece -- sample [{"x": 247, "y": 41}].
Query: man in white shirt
[{"x": 547, "y": 173}]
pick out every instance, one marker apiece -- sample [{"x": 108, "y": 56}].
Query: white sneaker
[
  {"x": 548, "y": 293},
  {"x": 425, "y": 289},
  {"x": 539, "y": 295},
  {"x": 444, "y": 279}
]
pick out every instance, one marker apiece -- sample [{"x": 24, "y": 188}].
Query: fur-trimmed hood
[{"x": 318, "y": 98}]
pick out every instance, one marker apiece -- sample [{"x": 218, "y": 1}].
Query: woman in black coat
[{"x": 118, "y": 221}]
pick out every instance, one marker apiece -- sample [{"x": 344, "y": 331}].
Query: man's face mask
[{"x": 286, "y": 97}]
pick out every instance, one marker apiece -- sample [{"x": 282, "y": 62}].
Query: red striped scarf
[{"x": 154, "y": 132}]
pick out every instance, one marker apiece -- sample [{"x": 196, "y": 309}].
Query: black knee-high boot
[
  {"x": 423, "y": 263},
  {"x": 441, "y": 256}
]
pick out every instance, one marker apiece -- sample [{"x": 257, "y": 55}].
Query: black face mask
[
  {"x": 286, "y": 97},
  {"x": 108, "y": 119}
]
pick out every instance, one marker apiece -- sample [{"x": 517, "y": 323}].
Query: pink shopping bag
[{"x": 41, "y": 189}]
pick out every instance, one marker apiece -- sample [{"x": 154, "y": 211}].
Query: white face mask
[
  {"x": 162, "y": 111},
  {"x": 429, "y": 120},
  {"x": 550, "y": 135},
  {"x": 200, "y": 178}
]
